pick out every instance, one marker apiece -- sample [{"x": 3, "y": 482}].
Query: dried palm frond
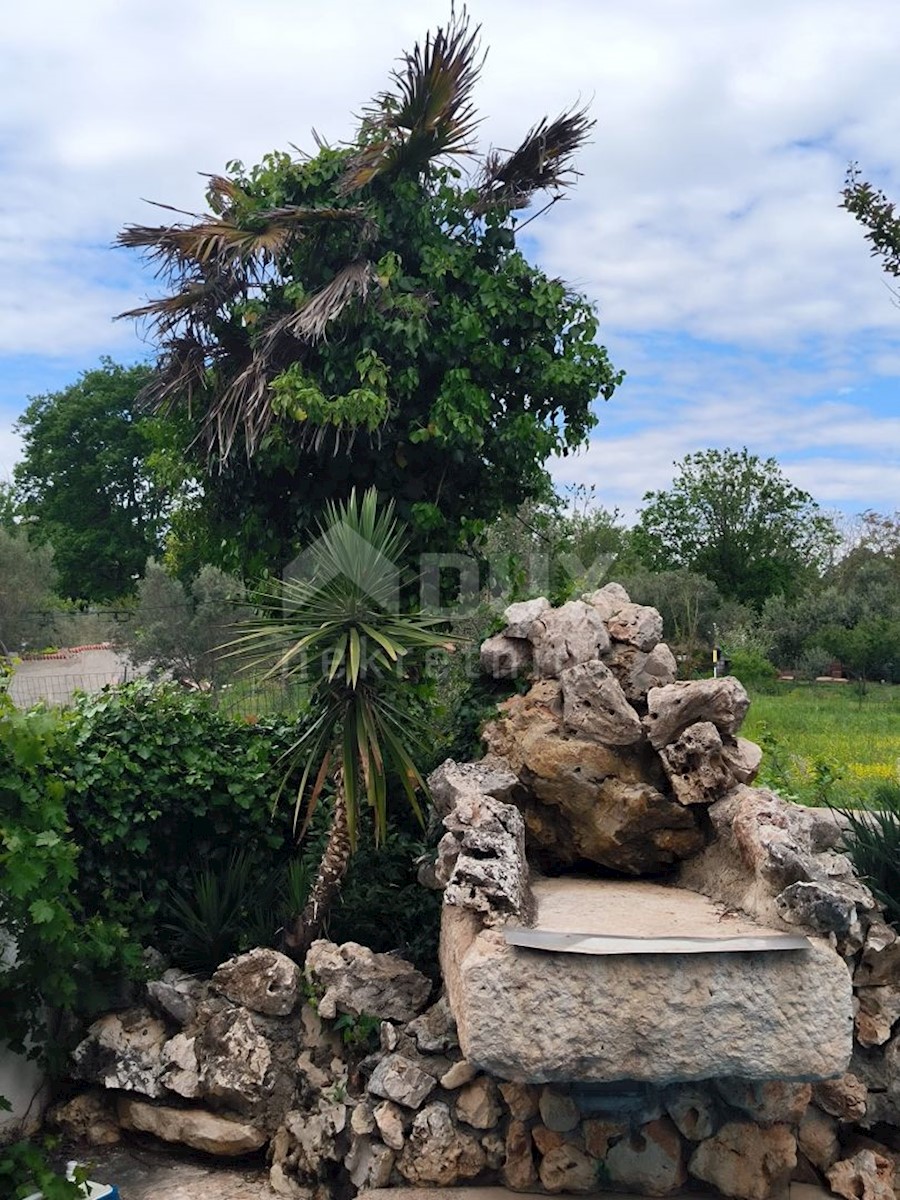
[
  {"x": 310, "y": 322},
  {"x": 542, "y": 161},
  {"x": 431, "y": 111}
]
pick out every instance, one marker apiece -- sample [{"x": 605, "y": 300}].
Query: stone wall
[{"x": 605, "y": 764}]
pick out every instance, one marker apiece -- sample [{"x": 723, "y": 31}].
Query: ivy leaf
[{"x": 42, "y": 912}]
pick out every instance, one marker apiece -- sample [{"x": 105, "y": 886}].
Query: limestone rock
[
  {"x": 879, "y": 1011},
  {"x": 696, "y": 766},
  {"x": 362, "y": 1118},
  {"x": 694, "y": 1111},
  {"x": 766, "y": 1101},
  {"x": 505, "y": 657},
  {"x": 865, "y": 1176},
  {"x": 643, "y": 1017},
  {"x": 550, "y": 1139},
  {"x": 564, "y": 637},
  {"x": 437, "y": 1152},
  {"x": 88, "y": 1117},
  {"x": 477, "y": 1104},
  {"x": 494, "y": 1146},
  {"x": 522, "y": 1100},
  {"x": 521, "y": 616},
  {"x": 122, "y": 1051},
  {"x": 629, "y": 827},
  {"x": 672, "y": 708},
  {"x": 637, "y": 625},
  {"x": 355, "y": 980},
  {"x": 482, "y": 858},
  {"x": 638, "y": 672},
  {"x": 452, "y": 782},
  {"x": 236, "y": 1063},
  {"x": 568, "y": 1169},
  {"x": 399, "y": 1079},
  {"x": 594, "y": 706},
  {"x": 650, "y": 1162},
  {"x": 181, "y": 1072},
  {"x": 519, "y": 1171},
  {"x": 460, "y": 1073},
  {"x": 435, "y": 1029},
  {"x": 599, "y": 1135},
  {"x": 880, "y": 961},
  {"x": 262, "y": 980},
  {"x": 817, "y": 1138},
  {"x": 176, "y": 996},
  {"x": 369, "y": 1164},
  {"x": 844, "y": 1098},
  {"x": 745, "y": 1161},
  {"x": 742, "y": 757},
  {"x": 762, "y": 845},
  {"x": 194, "y": 1127},
  {"x": 391, "y": 1125},
  {"x": 607, "y": 600},
  {"x": 825, "y": 907},
  {"x": 559, "y": 1112}
]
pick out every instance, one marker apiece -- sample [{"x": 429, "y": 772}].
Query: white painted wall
[{"x": 22, "y": 1083}]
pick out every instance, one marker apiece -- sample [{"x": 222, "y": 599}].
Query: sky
[{"x": 739, "y": 298}]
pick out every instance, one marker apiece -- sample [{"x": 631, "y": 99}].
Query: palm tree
[
  {"x": 252, "y": 289},
  {"x": 337, "y": 624}
]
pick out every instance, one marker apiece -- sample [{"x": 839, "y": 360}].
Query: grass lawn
[{"x": 822, "y": 740}]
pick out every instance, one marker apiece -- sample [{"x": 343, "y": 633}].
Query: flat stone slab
[
  {"x": 608, "y": 916},
  {"x": 550, "y": 1015}
]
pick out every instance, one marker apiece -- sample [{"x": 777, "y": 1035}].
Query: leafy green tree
[
  {"x": 878, "y": 216},
  {"x": 363, "y": 317},
  {"x": 869, "y": 650},
  {"x": 9, "y": 508},
  {"x": 183, "y": 630},
  {"x": 337, "y": 627},
  {"x": 84, "y": 485},
  {"x": 691, "y": 606},
  {"x": 26, "y": 582},
  {"x": 738, "y": 520}
]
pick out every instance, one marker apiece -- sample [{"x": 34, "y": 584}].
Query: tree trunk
[{"x": 307, "y": 926}]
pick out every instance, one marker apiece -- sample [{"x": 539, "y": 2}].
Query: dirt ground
[{"x": 144, "y": 1172}]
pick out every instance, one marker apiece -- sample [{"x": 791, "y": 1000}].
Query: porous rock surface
[{"x": 771, "y": 1015}]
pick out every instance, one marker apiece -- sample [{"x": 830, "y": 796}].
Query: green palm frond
[
  {"x": 542, "y": 161},
  {"x": 429, "y": 114},
  {"x": 338, "y": 624}
]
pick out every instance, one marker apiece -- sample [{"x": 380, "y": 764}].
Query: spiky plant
[{"x": 336, "y": 623}]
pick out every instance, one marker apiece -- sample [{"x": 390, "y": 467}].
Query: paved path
[{"x": 55, "y": 680}]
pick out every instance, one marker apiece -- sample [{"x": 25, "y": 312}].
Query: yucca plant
[
  {"x": 337, "y": 624},
  {"x": 872, "y": 842}
]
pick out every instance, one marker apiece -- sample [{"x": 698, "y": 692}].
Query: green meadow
[{"x": 826, "y": 742}]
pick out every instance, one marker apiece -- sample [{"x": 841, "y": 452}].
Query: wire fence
[{"x": 58, "y": 690}]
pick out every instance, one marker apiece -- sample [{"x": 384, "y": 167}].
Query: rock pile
[{"x": 615, "y": 761}]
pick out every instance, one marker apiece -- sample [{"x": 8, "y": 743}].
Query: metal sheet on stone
[{"x": 609, "y": 917}]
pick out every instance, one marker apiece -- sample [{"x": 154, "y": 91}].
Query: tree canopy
[
  {"x": 84, "y": 485},
  {"x": 738, "y": 520},
  {"x": 878, "y": 216},
  {"x": 362, "y": 316}
]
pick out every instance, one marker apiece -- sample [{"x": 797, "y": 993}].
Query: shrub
[
  {"x": 158, "y": 785},
  {"x": 58, "y": 959},
  {"x": 753, "y": 669},
  {"x": 873, "y": 843}
]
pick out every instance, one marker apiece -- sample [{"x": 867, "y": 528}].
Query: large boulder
[
  {"x": 537, "y": 1017},
  {"x": 564, "y": 637},
  {"x": 594, "y": 706},
  {"x": 193, "y": 1127}
]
